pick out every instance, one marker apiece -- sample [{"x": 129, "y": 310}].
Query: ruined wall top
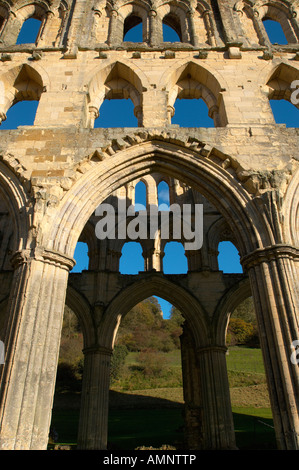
[{"x": 102, "y": 24}]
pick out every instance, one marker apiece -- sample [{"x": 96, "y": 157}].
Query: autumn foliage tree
[
  {"x": 242, "y": 328},
  {"x": 144, "y": 328}
]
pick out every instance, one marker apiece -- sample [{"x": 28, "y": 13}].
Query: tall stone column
[
  {"x": 218, "y": 426},
  {"x": 260, "y": 29},
  {"x": 274, "y": 281},
  {"x": 208, "y": 415},
  {"x": 93, "y": 423},
  {"x": 192, "y": 29},
  {"x": 115, "y": 29},
  {"x": 156, "y": 32},
  {"x": 210, "y": 28},
  {"x": 193, "y": 413},
  {"x": 44, "y": 32},
  {"x": 32, "y": 343}
]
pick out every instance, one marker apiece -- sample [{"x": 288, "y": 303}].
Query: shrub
[
  {"x": 152, "y": 362},
  {"x": 240, "y": 332},
  {"x": 117, "y": 361}
]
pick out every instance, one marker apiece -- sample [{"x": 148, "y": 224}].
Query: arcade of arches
[{"x": 55, "y": 174}]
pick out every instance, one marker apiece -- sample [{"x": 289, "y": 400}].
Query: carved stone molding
[
  {"x": 44, "y": 255},
  {"x": 18, "y": 168},
  {"x": 270, "y": 253},
  {"x": 254, "y": 182},
  {"x": 98, "y": 350},
  {"x": 212, "y": 348}
]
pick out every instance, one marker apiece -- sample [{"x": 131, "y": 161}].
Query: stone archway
[
  {"x": 203, "y": 431},
  {"x": 236, "y": 194},
  {"x": 238, "y": 199}
]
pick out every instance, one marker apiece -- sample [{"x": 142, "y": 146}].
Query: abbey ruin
[{"x": 54, "y": 174}]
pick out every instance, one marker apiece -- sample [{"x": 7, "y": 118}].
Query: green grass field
[{"x": 137, "y": 404}]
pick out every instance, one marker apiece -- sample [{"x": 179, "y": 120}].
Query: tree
[
  {"x": 119, "y": 355},
  {"x": 144, "y": 328}
]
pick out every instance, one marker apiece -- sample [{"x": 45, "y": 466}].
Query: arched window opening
[
  {"x": 147, "y": 357},
  {"x": 175, "y": 261},
  {"x": 29, "y": 31},
  {"x": 285, "y": 112},
  {"x": 81, "y": 257},
  {"x": 275, "y": 32},
  {"x": 140, "y": 196},
  {"x": 116, "y": 113},
  {"x": 229, "y": 258},
  {"x": 163, "y": 196},
  {"x": 191, "y": 113},
  {"x": 171, "y": 29},
  {"x": 133, "y": 29},
  {"x": 131, "y": 261},
  {"x": 20, "y": 114}
]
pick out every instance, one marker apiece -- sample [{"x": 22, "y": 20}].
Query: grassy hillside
[
  {"x": 146, "y": 382},
  {"x": 137, "y": 401}
]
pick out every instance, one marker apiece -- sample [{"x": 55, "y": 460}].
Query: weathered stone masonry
[{"x": 54, "y": 174}]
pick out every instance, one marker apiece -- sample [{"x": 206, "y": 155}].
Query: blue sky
[{"x": 119, "y": 113}]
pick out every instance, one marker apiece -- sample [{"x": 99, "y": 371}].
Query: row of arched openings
[
  {"x": 273, "y": 29},
  {"x": 163, "y": 196},
  {"x": 120, "y": 113},
  {"x": 31, "y": 27},
  {"x": 171, "y": 30},
  {"x": 174, "y": 261}
]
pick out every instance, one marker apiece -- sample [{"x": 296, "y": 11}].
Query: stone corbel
[
  {"x": 234, "y": 52},
  {"x": 170, "y": 112},
  {"x": 94, "y": 114}
]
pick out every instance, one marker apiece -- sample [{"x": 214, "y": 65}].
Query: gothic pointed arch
[
  {"x": 221, "y": 187},
  {"x": 192, "y": 80},
  {"x": 280, "y": 81},
  {"x": 290, "y": 210},
  {"x": 226, "y": 306},
  {"x": 18, "y": 202},
  {"x": 124, "y": 16},
  {"x": 20, "y": 83},
  {"x": 83, "y": 311},
  {"x": 117, "y": 80},
  {"x": 20, "y": 12},
  {"x": 282, "y": 11},
  {"x": 161, "y": 287}
]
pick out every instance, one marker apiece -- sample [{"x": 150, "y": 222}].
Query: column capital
[
  {"x": 270, "y": 253},
  {"x": 98, "y": 350},
  {"x": 113, "y": 13},
  {"x": 152, "y": 13},
  {"x": 42, "y": 254},
  {"x": 190, "y": 12},
  {"x": 211, "y": 348},
  {"x": 94, "y": 113}
]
